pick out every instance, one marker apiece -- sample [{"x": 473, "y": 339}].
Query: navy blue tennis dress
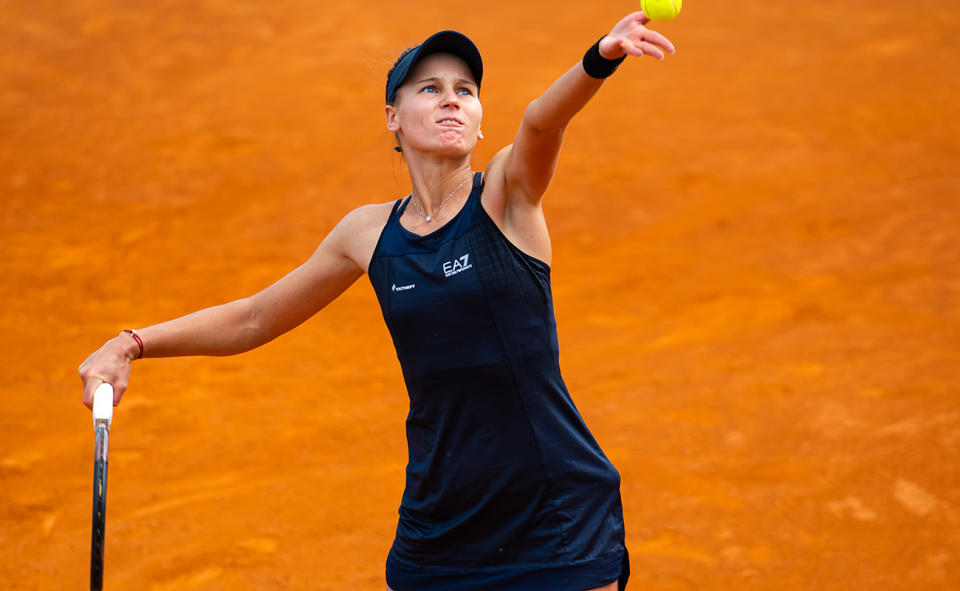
[{"x": 506, "y": 488}]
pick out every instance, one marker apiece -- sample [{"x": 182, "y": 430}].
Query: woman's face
[{"x": 437, "y": 109}]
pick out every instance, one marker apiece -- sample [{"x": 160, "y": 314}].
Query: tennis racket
[{"x": 102, "y": 416}]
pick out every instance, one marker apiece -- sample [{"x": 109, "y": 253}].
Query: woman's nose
[{"x": 450, "y": 99}]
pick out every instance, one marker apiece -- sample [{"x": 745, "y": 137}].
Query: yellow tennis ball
[{"x": 661, "y": 10}]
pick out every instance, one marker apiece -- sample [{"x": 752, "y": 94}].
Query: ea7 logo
[{"x": 456, "y": 265}]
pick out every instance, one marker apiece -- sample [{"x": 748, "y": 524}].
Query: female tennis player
[{"x": 506, "y": 488}]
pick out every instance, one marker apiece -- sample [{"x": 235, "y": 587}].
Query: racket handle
[{"x": 103, "y": 404}]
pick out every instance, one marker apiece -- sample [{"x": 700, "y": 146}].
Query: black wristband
[{"x": 597, "y": 66}]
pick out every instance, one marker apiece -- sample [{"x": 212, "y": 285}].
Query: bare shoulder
[
  {"x": 366, "y": 217},
  {"x": 356, "y": 235}
]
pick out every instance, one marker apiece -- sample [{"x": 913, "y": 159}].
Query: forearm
[
  {"x": 561, "y": 101},
  {"x": 532, "y": 158},
  {"x": 226, "y": 329},
  {"x": 565, "y": 97}
]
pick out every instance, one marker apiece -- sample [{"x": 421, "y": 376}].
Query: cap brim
[
  {"x": 451, "y": 42},
  {"x": 456, "y": 43}
]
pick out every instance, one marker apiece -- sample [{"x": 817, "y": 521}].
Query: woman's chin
[
  {"x": 447, "y": 145},
  {"x": 457, "y": 146}
]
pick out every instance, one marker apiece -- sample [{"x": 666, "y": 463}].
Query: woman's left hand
[{"x": 631, "y": 37}]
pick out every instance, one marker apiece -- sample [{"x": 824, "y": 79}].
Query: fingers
[
  {"x": 641, "y": 48},
  {"x": 91, "y": 384},
  {"x": 649, "y": 42},
  {"x": 89, "y": 387},
  {"x": 654, "y": 38},
  {"x": 634, "y": 38},
  {"x": 652, "y": 50},
  {"x": 628, "y": 23},
  {"x": 107, "y": 365}
]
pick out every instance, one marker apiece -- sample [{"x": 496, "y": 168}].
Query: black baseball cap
[{"x": 443, "y": 42}]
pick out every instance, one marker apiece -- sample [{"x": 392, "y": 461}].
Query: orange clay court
[{"x": 756, "y": 275}]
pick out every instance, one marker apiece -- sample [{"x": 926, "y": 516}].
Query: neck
[{"x": 433, "y": 181}]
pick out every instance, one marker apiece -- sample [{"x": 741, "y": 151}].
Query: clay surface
[{"x": 756, "y": 256}]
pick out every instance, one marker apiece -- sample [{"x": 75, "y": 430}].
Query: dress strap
[
  {"x": 401, "y": 205},
  {"x": 476, "y": 188},
  {"x": 395, "y": 213}
]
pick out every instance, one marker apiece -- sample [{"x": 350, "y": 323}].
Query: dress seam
[{"x": 552, "y": 496}]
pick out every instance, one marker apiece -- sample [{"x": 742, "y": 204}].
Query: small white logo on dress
[
  {"x": 394, "y": 287},
  {"x": 456, "y": 265}
]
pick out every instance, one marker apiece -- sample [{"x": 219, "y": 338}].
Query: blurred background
[{"x": 755, "y": 274}]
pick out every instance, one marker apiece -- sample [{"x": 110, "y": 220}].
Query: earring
[{"x": 480, "y": 133}]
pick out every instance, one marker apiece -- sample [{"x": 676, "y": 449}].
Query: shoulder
[
  {"x": 366, "y": 217},
  {"x": 357, "y": 233}
]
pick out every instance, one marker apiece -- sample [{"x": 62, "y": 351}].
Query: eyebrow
[{"x": 435, "y": 79}]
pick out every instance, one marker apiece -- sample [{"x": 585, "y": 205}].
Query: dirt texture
[{"x": 756, "y": 258}]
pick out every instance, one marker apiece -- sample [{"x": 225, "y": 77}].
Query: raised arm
[
  {"x": 530, "y": 162},
  {"x": 243, "y": 324}
]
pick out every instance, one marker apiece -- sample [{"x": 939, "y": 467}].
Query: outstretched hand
[{"x": 631, "y": 37}]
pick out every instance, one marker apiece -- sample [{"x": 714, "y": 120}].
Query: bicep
[
  {"x": 530, "y": 162},
  {"x": 537, "y": 144},
  {"x": 308, "y": 288}
]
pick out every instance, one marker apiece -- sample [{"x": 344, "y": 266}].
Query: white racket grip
[{"x": 103, "y": 404}]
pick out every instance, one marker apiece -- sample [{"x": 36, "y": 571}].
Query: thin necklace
[{"x": 430, "y": 217}]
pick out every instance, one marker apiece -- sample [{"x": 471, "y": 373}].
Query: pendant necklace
[{"x": 450, "y": 196}]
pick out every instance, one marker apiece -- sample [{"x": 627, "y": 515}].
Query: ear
[
  {"x": 480, "y": 133},
  {"x": 393, "y": 122}
]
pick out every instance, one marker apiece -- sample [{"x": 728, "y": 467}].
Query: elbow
[
  {"x": 537, "y": 120},
  {"x": 252, "y": 331}
]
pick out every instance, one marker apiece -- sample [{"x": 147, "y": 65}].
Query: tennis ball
[{"x": 661, "y": 10}]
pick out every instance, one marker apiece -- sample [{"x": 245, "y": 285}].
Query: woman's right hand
[
  {"x": 630, "y": 36},
  {"x": 110, "y": 364}
]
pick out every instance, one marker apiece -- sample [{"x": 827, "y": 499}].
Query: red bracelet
[{"x": 137, "y": 338}]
